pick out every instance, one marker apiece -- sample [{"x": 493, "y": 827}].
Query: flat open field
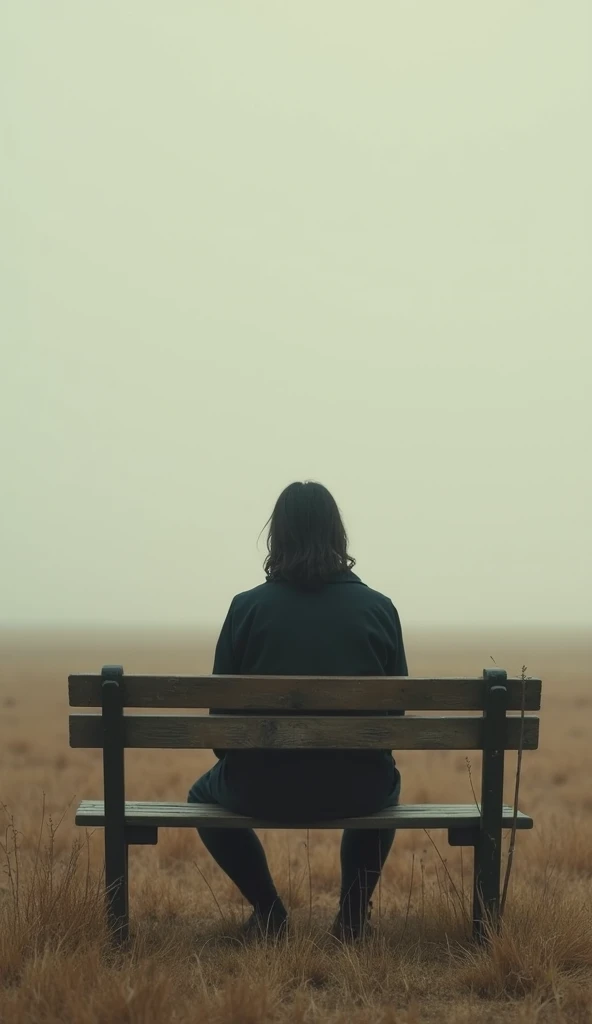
[{"x": 187, "y": 965}]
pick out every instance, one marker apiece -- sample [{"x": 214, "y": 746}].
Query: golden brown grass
[{"x": 187, "y": 964}]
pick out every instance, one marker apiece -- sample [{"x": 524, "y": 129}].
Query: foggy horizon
[{"x": 250, "y": 244}]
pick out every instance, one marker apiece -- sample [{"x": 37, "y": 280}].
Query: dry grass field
[{"x": 186, "y": 963}]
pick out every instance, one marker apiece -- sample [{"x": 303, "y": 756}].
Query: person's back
[
  {"x": 312, "y": 616},
  {"x": 342, "y": 628}
]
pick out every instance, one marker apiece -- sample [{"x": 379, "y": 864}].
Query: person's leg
[
  {"x": 363, "y": 854},
  {"x": 240, "y": 855}
]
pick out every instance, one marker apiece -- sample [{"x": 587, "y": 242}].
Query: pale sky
[{"x": 245, "y": 243}]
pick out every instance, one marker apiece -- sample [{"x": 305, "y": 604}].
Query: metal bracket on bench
[
  {"x": 141, "y": 835},
  {"x": 463, "y": 836}
]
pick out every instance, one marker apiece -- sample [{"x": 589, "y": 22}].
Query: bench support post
[
  {"x": 488, "y": 847},
  {"x": 116, "y": 846}
]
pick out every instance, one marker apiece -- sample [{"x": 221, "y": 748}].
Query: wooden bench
[{"x": 275, "y": 722}]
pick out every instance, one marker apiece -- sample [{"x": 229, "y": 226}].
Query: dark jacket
[{"x": 342, "y": 629}]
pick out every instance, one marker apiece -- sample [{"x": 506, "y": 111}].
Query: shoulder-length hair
[{"x": 307, "y": 541}]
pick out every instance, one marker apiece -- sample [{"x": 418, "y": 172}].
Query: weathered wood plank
[
  {"x": 182, "y": 815},
  {"x": 302, "y": 693},
  {"x": 301, "y": 732}
]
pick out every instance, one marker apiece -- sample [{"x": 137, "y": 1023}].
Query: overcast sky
[{"x": 251, "y": 242}]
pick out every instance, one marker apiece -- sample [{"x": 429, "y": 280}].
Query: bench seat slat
[
  {"x": 175, "y": 815},
  {"x": 301, "y": 732},
  {"x": 300, "y": 693}
]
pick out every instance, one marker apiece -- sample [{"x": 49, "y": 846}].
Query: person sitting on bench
[{"x": 311, "y": 616}]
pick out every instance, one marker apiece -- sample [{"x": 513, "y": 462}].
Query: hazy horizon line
[{"x": 56, "y": 628}]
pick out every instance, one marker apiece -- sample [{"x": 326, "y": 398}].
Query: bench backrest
[{"x": 290, "y": 712}]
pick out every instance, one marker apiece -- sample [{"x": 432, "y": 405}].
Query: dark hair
[{"x": 307, "y": 542}]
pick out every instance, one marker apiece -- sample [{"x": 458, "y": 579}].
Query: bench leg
[
  {"x": 117, "y": 875},
  {"x": 117, "y": 890},
  {"x": 486, "y": 876},
  {"x": 486, "y": 884}
]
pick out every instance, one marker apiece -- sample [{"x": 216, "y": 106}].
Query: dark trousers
[{"x": 240, "y": 854}]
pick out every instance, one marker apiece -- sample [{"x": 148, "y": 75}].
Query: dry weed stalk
[{"x": 48, "y": 900}]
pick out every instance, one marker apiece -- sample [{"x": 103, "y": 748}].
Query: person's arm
[
  {"x": 225, "y": 663},
  {"x": 224, "y": 657},
  {"x": 397, "y": 661}
]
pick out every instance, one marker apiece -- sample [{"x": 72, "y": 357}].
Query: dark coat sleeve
[
  {"x": 397, "y": 661},
  {"x": 225, "y": 662},
  {"x": 224, "y": 657}
]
